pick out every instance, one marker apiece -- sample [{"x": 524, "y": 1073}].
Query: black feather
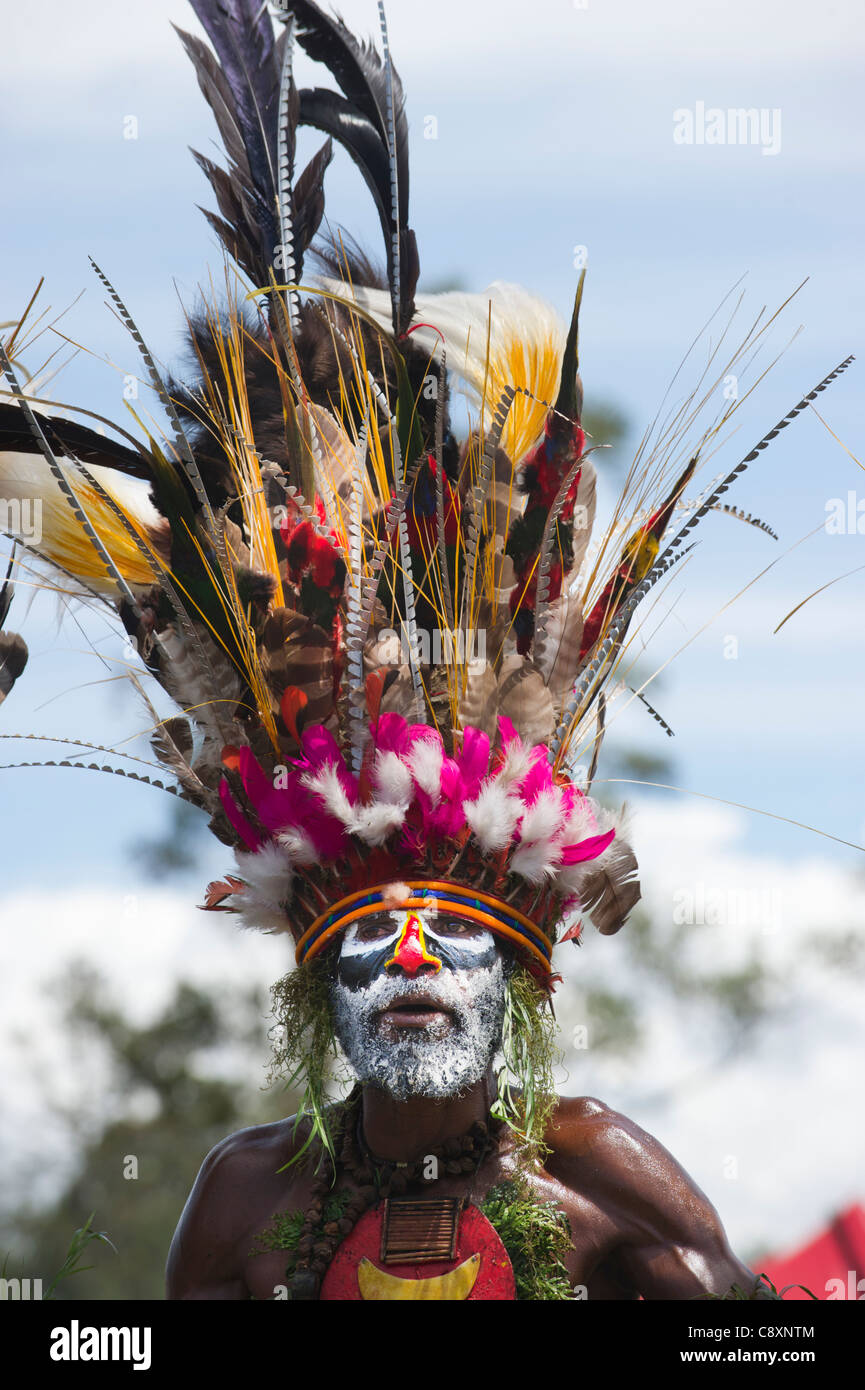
[
  {"x": 217, "y": 93},
  {"x": 341, "y": 118},
  {"x": 241, "y": 83},
  {"x": 13, "y": 659},
  {"x": 340, "y": 255},
  {"x": 242, "y": 35},
  {"x": 7, "y": 591},
  {"x": 360, "y": 123},
  {"x": 308, "y": 202},
  {"x": 356, "y": 66},
  {"x": 74, "y": 440},
  {"x": 242, "y": 89}
]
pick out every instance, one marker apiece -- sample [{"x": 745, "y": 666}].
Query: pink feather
[
  {"x": 248, "y": 835},
  {"x": 587, "y": 849}
]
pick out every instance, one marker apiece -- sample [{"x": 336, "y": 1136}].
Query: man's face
[{"x": 419, "y": 1002}]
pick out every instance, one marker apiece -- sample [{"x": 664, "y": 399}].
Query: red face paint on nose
[{"x": 410, "y": 952}]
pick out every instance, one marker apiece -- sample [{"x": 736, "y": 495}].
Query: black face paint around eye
[{"x": 413, "y": 949}]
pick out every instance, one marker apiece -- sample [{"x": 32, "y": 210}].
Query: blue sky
[{"x": 555, "y": 130}]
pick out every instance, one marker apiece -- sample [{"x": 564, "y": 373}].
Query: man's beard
[{"x": 441, "y": 1060}]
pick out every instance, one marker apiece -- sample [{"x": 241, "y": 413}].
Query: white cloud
[{"x": 143, "y": 941}]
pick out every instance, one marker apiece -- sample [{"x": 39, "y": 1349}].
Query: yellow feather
[
  {"x": 534, "y": 366},
  {"x": 60, "y": 538}
]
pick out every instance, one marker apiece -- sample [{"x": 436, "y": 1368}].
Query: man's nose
[{"x": 410, "y": 954}]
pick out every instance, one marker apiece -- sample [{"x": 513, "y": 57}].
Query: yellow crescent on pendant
[{"x": 376, "y": 1286}]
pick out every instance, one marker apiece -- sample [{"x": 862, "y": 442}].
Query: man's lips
[{"x": 413, "y": 1011}]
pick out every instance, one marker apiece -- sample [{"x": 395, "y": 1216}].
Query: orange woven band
[{"x": 453, "y": 898}]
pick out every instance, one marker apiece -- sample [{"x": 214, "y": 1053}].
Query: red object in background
[{"x": 832, "y": 1265}]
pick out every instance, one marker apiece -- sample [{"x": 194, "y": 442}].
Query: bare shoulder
[
  {"x": 666, "y": 1239},
  {"x": 250, "y": 1156},
  {"x": 238, "y": 1185},
  {"x": 581, "y": 1124},
  {"x": 597, "y": 1147},
  {"x": 248, "y": 1152}
]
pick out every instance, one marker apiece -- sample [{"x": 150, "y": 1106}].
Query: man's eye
[
  {"x": 456, "y": 928},
  {"x": 374, "y": 931}
]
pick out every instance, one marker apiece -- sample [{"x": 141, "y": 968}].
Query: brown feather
[
  {"x": 477, "y": 708},
  {"x": 525, "y": 700},
  {"x": 296, "y": 652},
  {"x": 608, "y": 894},
  {"x": 13, "y": 659},
  {"x": 560, "y": 657}
]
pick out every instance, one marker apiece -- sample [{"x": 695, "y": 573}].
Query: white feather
[
  {"x": 544, "y": 817},
  {"x": 298, "y": 846},
  {"x": 373, "y": 823},
  {"x": 44, "y": 518},
  {"x": 268, "y": 874},
  {"x": 256, "y": 916},
  {"x": 501, "y": 313},
  {"x": 492, "y": 816},
  {"x": 515, "y": 764},
  {"x": 328, "y": 786},
  {"x": 582, "y": 822},
  {"x": 393, "y": 779},
  {"x": 425, "y": 761},
  {"x": 570, "y": 879},
  {"x": 536, "y": 861},
  {"x": 395, "y": 894}
]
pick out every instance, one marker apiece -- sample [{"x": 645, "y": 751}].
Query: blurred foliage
[
  {"x": 172, "y": 851},
  {"x": 654, "y": 973},
  {"x": 613, "y": 1021},
  {"x": 842, "y": 951},
  {"x": 607, "y": 428},
  {"x": 635, "y": 764},
  {"x": 191, "y": 1072},
  {"x": 741, "y": 997}
]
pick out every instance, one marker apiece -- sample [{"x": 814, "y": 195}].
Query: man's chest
[{"x": 504, "y": 1236}]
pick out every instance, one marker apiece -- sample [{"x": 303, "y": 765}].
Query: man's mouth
[{"x": 414, "y": 1011}]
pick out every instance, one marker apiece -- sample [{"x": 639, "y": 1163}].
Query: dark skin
[{"x": 639, "y": 1225}]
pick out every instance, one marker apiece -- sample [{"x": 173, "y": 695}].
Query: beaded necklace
[{"x": 361, "y": 1179}]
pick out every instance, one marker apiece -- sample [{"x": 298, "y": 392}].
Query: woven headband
[{"x": 466, "y": 903}]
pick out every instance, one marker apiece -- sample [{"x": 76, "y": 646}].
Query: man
[{"x": 417, "y": 1001}]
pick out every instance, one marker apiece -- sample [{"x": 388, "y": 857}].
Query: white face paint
[{"x": 418, "y": 1005}]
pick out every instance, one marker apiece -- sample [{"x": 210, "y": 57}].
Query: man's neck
[{"x": 407, "y": 1130}]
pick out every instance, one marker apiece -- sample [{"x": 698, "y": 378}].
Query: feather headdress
[{"x": 388, "y": 648}]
